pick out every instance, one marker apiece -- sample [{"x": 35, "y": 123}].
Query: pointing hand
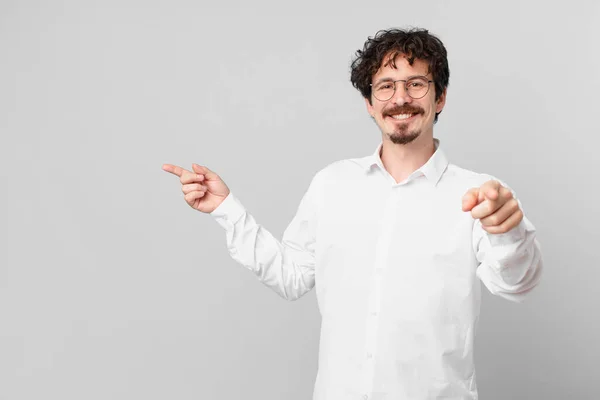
[
  {"x": 203, "y": 189},
  {"x": 494, "y": 205}
]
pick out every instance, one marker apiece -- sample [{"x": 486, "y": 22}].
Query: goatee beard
[{"x": 401, "y": 136}]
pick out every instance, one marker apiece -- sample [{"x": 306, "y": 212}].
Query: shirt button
[
  {"x": 374, "y": 314},
  {"x": 365, "y": 397},
  {"x": 369, "y": 356}
]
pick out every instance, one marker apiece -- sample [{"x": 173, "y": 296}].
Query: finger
[
  {"x": 174, "y": 169},
  {"x": 193, "y": 196},
  {"x": 505, "y": 193},
  {"x": 507, "y": 225},
  {"x": 190, "y": 177},
  {"x": 485, "y": 208},
  {"x": 193, "y": 187},
  {"x": 490, "y": 189},
  {"x": 502, "y": 214},
  {"x": 488, "y": 207},
  {"x": 469, "y": 200},
  {"x": 200, "y": 169}
]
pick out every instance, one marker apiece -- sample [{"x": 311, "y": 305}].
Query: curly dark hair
[{"x": 415, "y": 43}]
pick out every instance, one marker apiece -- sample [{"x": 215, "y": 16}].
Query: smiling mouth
[{"x": 402, "y": 117}]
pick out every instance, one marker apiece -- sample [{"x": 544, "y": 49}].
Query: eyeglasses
[{"x": 416, "y": 87}]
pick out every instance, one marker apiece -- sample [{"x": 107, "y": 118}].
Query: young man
[{"x": 396, "y": 259}]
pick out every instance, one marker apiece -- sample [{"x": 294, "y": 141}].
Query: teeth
[{"x": 402, "y": 116}]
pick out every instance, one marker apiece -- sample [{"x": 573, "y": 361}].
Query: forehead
[{"x": 399, "y": 66}]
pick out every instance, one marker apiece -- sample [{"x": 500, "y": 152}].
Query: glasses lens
[
  {"x": 417, "y": 87},
  {"x": 383, "y": 91}
]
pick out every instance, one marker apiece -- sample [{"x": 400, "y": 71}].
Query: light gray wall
[{"x": 111, "y": 287}]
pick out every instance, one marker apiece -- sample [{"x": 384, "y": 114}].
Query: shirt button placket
[{"x": 376, "y": 291}]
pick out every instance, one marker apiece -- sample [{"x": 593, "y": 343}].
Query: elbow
[
  {"x": 295, "y": 290},
  {"x": 289, "y": 294},
  {"x": 293, "y": 297},
  {"x": 518, "y": 291},
  {"x": 516, "y": 296},
  {"x": 290, "y": 289}
]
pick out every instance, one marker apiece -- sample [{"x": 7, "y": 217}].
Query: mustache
[{"x": 405, "y": 109}]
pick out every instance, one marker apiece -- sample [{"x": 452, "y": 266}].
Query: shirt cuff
[
  {"x": 515, "y": 235},
  {"x": 228, "y": 212}
]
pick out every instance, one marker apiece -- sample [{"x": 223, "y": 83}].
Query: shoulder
[
  {"x": 341, "y": 169},
  {"x": 456, "y": 175}
]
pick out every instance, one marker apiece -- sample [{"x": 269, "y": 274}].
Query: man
[{"x": 396, "y": 259}]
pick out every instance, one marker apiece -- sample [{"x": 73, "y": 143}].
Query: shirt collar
[{"x": 432, "y": 169}]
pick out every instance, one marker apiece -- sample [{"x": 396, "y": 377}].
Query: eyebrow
[{"x": 392, "y": 80}]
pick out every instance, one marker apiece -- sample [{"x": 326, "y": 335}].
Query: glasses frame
[{"x": 429, "y": 81}]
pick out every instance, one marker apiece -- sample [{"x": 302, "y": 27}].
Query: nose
[{"x": 401, "y": 95}]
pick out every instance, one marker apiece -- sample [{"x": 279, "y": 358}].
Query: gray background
[{"x": 111, "y": 287}]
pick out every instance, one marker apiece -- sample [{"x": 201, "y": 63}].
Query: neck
[{"x": 401, "y": 160}]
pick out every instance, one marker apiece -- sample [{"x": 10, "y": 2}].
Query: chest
[{"x": 413, "y": 234}]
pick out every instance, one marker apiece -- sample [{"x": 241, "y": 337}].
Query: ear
[
  {"x": 370, "y": 108},
  {"x": 440, "y": 102}
]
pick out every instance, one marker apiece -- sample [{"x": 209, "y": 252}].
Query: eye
[
  {"x": 416, "y": 84},
  {"x": 385, "y": 86}
]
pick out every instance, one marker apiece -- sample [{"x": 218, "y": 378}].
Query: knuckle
[
  {"x": 501, "y": 228},
  {"x": 186, "y": 177},
  {"x": 515, "y": 204},
  {"x": 519, "y": 215}
]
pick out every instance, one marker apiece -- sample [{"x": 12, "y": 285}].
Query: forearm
[
  {"x": 287, "y": 268},
  {"x": 511, "y": 263}
]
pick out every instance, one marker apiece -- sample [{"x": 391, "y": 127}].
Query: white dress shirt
[{"x": 397, "y": 269}]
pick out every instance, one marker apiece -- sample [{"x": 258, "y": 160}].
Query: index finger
[
  {"x": 491, "y": 189},
  {"x": 174, "y": 169}
]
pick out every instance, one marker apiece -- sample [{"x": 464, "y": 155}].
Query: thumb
[
  {"x": 471, "y": 199},
  {"x": 202, "y": 170},
  {"x": 481, "y": 196}
]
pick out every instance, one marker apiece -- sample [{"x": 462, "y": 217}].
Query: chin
[{"x": 403, "y": 137}]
